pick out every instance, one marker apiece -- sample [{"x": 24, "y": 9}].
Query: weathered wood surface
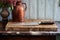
[{"x": 15, "y": 26}]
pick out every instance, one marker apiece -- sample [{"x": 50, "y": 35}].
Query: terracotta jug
[{"x": 19, "y": 12}]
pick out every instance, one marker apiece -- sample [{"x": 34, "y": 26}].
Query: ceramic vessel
[{"x": 18, "y": 12}]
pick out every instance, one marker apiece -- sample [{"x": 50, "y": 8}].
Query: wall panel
[
  {"x": 41, "y": 9},
  {"x": 49, "y": 9},
  {"x": 33, "y": 9}
]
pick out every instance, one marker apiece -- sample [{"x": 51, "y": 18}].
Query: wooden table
[
  {"x": 25, "y": 37},
  {"x": 15, "y": 26}
]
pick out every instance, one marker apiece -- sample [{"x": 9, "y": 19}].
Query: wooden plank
[
  {"x": 41, "y": 9},
  {"x": 33, "y": 9},
  {"x": 17, "y": 26},
  {"x": 49, "y": 9},
  {"x": 57, "y": 11}
]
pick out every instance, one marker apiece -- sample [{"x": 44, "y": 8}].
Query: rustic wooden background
[{"x": 41, "y": 9}]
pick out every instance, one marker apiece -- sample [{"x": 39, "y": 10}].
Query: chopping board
[{"x": 30, "y": 25}]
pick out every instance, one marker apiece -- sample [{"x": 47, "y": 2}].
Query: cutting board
[{"x": 30, "y": 25}]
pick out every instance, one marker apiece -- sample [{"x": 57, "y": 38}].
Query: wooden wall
[{"x": 42, "y": 9}]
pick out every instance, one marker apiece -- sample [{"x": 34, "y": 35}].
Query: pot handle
[{"x": 25, "y": 6}]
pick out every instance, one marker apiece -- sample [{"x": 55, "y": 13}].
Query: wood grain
[{"x": 11, "y": 26}]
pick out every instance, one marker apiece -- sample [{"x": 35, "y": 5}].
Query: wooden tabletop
[{"x": 15, "y": 26}]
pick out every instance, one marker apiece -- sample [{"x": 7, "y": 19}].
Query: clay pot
[{"x": 18, "y": 13}]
